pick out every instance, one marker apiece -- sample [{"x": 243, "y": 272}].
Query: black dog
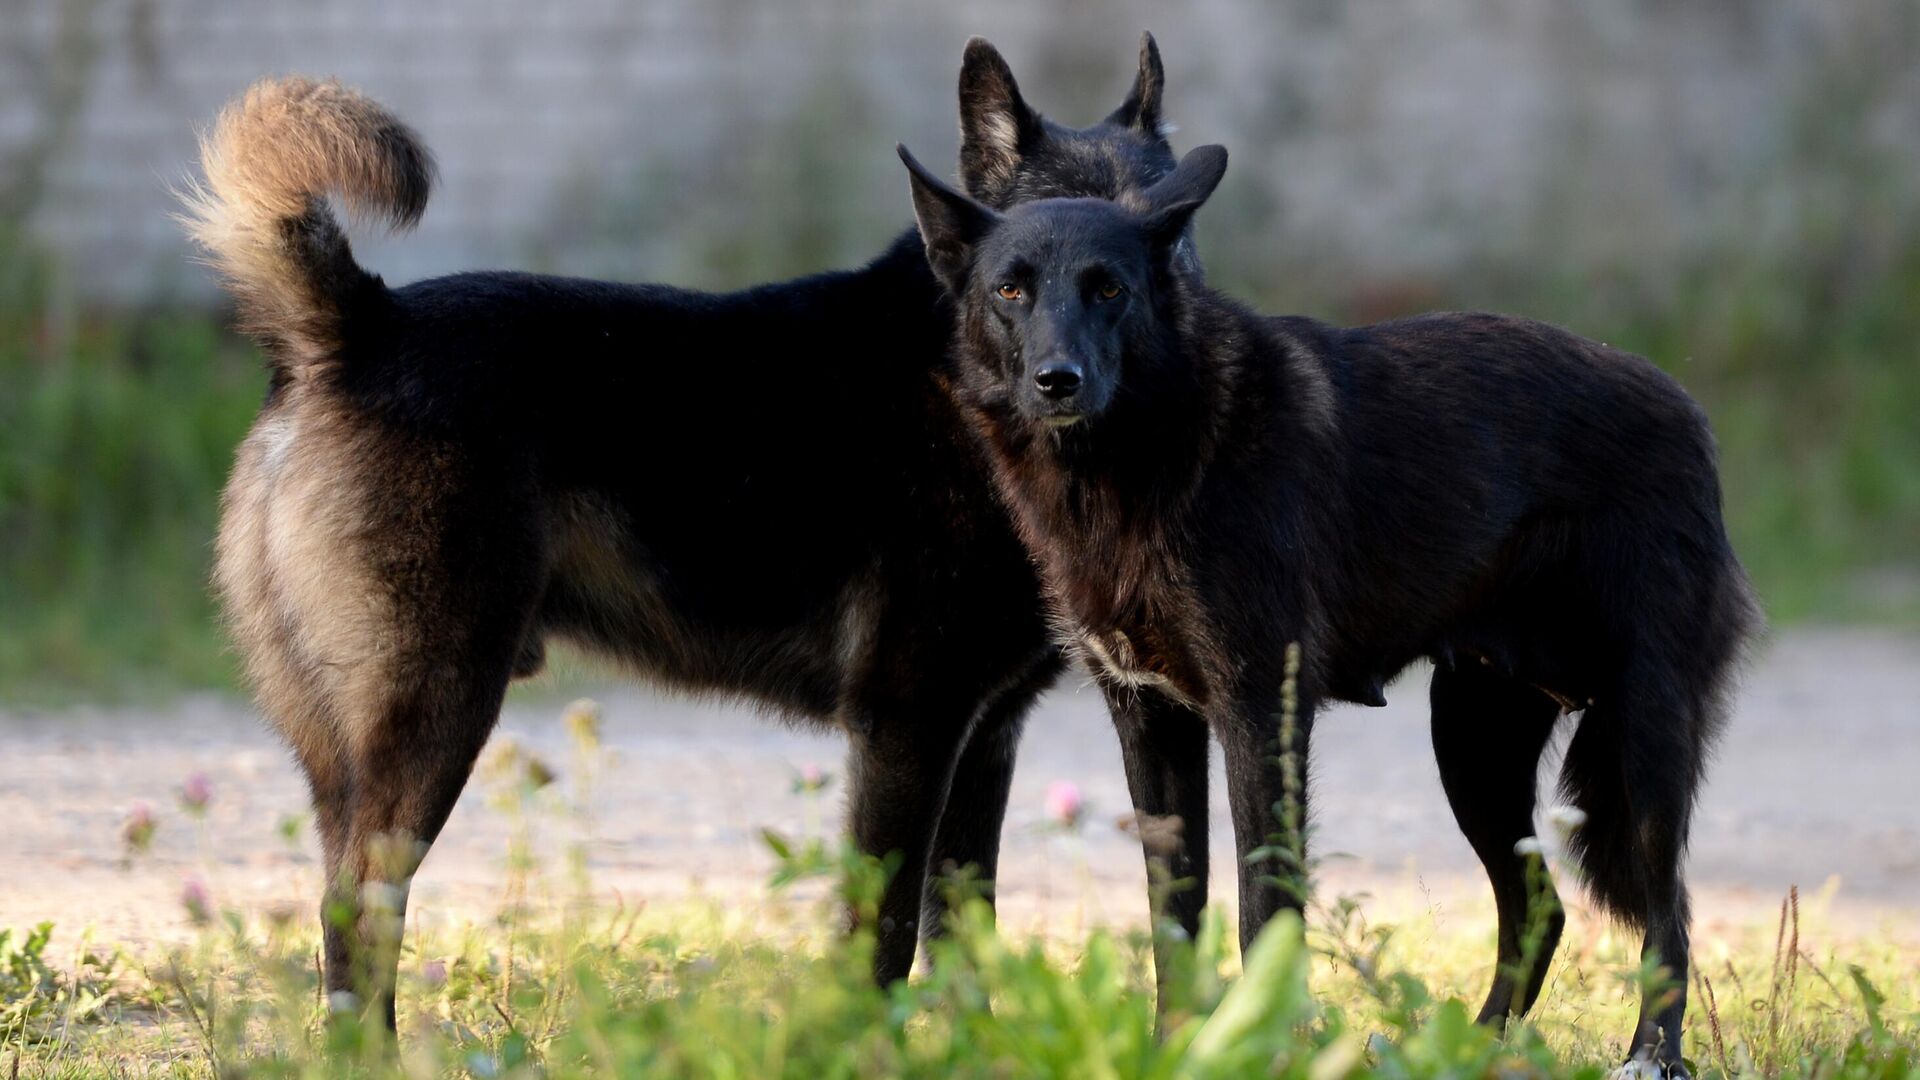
[
  {"x": 1202, "y": 486},
  {"x": 765, "y": 493}
]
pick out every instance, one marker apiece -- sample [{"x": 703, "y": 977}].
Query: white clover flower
[
  {"x": 1528, "y": 845},
  {"x": 582, "y": 720},
  {"x": 1639, "y": 1067},
  {"x": 382, "y": 896},
  {"x": 1565, "y": 819}
]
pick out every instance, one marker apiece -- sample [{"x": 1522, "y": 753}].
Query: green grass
[
  {"x": 766, "y": 989},
  {"x": 116, "y": 431}
]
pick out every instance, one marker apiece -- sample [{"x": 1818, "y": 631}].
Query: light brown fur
[
  {"x": 293, "y": 566},
  {"x": 350, "y": 618},
  {"x": 259, "y": 212},
  {"x": 322, "y": 582}
]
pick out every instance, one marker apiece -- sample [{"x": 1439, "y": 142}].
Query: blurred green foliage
[
  {"x": 115, "y": 437},
  {"x": 1813, "y": 391}
]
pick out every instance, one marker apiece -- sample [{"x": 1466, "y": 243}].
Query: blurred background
[{"x": 1726, "y": 186}]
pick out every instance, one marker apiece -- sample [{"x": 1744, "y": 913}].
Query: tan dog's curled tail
[{"x": 261, "y": 214}]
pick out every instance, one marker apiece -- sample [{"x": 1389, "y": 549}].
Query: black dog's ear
[
  {"x": 950, "y": 224},
  {"x": 1172, "y": 201},
  {"x": 1141, "y": 109},
  {"x": 997, "y": 126}
]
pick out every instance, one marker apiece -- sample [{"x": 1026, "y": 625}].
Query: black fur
[{"x": 1537, "y": 513}]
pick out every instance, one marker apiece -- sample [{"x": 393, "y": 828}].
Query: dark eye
[
  {"x": 1009, "y": 291},
  {"x": 1110, "y": 291}
]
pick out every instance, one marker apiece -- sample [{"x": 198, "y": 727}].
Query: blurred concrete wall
[{"x": 725, "y": 141}]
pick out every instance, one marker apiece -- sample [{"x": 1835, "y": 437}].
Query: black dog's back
[{"x": 1504, "y": 477}]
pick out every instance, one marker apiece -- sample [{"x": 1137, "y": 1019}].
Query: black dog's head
[
  {"x": 1011, "y": 154},
  {"x": 1055, "y": 296}
]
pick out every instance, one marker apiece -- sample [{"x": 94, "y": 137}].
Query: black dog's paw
[{"x": 1644, "y": 1066}]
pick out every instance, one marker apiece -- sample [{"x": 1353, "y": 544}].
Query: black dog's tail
[
  {"x": 1635, "y": 766},
  {"x": 261, "y": 213}
]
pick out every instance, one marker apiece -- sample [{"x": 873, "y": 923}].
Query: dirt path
[{"x": 1817, "y": 777}]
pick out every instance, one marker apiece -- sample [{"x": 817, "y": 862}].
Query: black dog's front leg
[
  {"x": 899, "y": 768},
  {"x": 968, "y": 839},
  {"x": 1267, "y": 791},
  {"x": 1164, "y": 747}
]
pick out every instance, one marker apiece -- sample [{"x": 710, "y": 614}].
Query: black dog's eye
[
  {"x": 1110, "y": 291},
  {"x": 1009, "y": 291}
]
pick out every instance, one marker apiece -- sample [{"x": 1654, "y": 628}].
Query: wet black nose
[{"x": 1058, "y": 381}]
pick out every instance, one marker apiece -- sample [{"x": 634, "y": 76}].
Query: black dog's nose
[{"x": 1058, "y": 381}]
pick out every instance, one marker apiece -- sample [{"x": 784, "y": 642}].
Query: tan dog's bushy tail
[{"x": 261, "y": 214}]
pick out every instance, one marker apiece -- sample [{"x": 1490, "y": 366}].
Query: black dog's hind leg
[
  {"x": 1663, "y": 1008},
  {"x": 1488, "y": 734},
  {"x": 1634, "y": 766},
  {"x": 1164, "y": 747},
  {"x": 1660, "y": 789},
  {"x": 968, "y": 839},
  {"x": 402, "y": 739}
]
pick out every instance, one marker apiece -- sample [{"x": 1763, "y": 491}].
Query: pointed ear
[
  {"x": 1172, "y": 202},
  {"x": 950, "y": 224},
  {"x": 997, "y": 126},
  {"x": 1141, "y": 109}
]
